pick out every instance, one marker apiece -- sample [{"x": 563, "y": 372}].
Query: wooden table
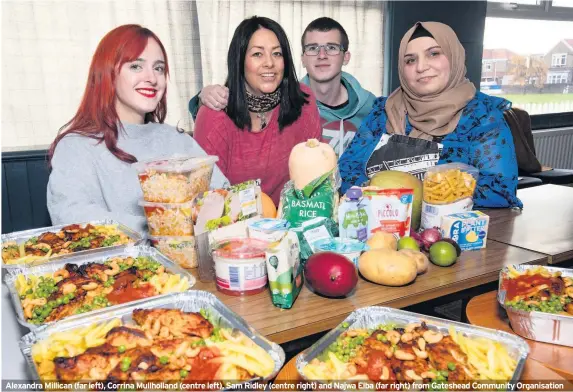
[
  {"x": 485, "y": 311},
  {"x": 545, "y": 224},
  {"x": 312, "y": 313},
  {"x": 533, "y": 371}
]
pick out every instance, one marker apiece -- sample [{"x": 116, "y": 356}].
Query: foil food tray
[
  {"x": 538, "y": 326},
  {"x": 189, "y": 301},
  {"x": 133, "y": 251},
  {"x": 23, "y": 236},
  {"x": 371, "y": 317}
]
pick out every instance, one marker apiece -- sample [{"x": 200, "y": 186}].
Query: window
[
  {"x": 530, "y": 41},
  {"x": 487, "y": 66},
  {"x": 559, "y": 60},
  {"x": 557, "y": 78}
]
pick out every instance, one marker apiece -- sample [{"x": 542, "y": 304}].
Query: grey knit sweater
[{"x": 88, "y": 182}]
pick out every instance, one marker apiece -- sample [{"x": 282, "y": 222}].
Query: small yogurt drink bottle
[{"x": 353, "y": 216}]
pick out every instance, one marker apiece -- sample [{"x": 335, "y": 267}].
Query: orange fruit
[{"x": 269, "y": 208}]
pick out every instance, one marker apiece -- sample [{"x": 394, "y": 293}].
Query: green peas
[
  {"x": 125, "y": 364},
  {"x": 451, "y": 366},
  {"x": 164, "y": 360},
  {"x": 29, "y": 291},
  {"x": 183, "y": 373},
  {"x": 66, "y": 300},
  {"x": 121, "y": 349},
  {"x": 59, "y": 301},
  {"x": 38, "y": 310},
  {"x": 345, "y": 325},
  {"x": 52, "y": 304},
  {"x": 22, "y": 297},
  {"x": 381, "y": 338}
]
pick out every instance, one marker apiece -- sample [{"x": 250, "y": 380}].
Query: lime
[
  {"x": 443, "y": 253},
  {"x": 408, "y": 243}
]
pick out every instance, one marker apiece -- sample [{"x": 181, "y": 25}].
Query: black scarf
[{"x": 263, "y": 103}]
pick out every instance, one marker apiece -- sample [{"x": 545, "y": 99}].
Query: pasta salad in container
[
  {"x": 175, "y": 180},
  {"x": 168, "y": 219},
  {"x": 181, "y": 250}
]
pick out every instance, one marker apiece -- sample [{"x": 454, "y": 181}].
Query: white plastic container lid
[{"x": 176, "y": 165}]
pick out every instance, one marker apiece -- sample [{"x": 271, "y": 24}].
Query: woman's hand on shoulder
[{"x": 215, "y": 97}]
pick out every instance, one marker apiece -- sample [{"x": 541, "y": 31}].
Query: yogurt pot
[
  {"x": 268, "y": 229},
  {"x": 348, "y": 247},
  {"x": 240, "y": 266},
  {"x": 181, "y": 250}
]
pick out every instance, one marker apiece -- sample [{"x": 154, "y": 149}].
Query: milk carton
[
  {"x": 468, "y": 229},
  {"x": 284, "y": 270}
]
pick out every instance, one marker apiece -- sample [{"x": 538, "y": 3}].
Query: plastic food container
[
  {"x": 538, "y": 326},
  {"x": 181, "y": 250},
  {"x": 268, "y": 229},
  {"x": 190, "y": 301},
  {"x": 240, "y": 266},
  {"x": 173, "y": 219},
  {"x": 348, "y": 247},
  {"x": 175, "y": 180},
  {"x": 372, "y": 316}
]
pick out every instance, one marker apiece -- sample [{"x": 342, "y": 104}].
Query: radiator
[{"x": 554, "y": 147}]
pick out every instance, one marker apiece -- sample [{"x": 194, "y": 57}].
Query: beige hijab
[{"x": 437, "y": 114}]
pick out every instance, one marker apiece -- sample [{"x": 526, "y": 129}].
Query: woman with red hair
[{"x": 119, "y": 122}]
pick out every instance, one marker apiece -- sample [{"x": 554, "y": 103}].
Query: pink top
[{"x": 245, "y": 155}]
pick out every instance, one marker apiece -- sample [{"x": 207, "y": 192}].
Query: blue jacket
[
  {"x": 482, "y": 139},
  {"x": 334, "y": 125}
]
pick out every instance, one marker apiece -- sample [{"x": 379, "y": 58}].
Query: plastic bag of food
[
  {"x": 222, "y": 207},
  {"x": 317, "y": 199},
  {"x": 389, "y": 210},
  {"x": 448, "y": 189}
]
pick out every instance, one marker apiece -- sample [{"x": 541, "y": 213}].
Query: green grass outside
[{"x": 537, "y": 98}]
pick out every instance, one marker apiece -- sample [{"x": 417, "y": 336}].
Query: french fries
[
  {"x": 490, "y": 358},
  {"x": 68, "y": 344},
  {"x": 448, "y": 186}
]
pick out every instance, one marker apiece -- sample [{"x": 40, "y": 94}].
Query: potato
[
  {"x": 388, "y": 267},
  {"x": 422, "y": 262},
  {"x": 382, "y": 240}
]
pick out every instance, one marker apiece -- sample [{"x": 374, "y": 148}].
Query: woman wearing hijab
[
  {"x": 268, "y": 112},
  {"x": 436, "y": 117}
]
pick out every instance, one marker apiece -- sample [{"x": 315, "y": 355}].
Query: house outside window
[
  {"x": 559, "y": 60},
  {"x": 557, "y": 78}
]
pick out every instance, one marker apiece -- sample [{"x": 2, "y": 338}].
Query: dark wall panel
[
  {"x": 24, "y": 181},
  {"x": 6, "y": 218},
  {"x": 466, "y": 18}
]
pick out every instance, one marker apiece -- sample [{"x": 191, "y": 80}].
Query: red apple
[{"x": 330, "y": 274}]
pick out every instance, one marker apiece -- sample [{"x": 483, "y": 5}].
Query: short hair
[
  {"x": 325, "y": 24},
  {"x": 292, "y": 97}
]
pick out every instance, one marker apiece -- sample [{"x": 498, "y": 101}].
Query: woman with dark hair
[
  {"x": 119, "y": 122},
  {"x": 268, "y": 112},
  {"x": 436, "y": 116}
]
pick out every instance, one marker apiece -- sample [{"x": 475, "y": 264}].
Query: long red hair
[{"x": 96, "y": 117}]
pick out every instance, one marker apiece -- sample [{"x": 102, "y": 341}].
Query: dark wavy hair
[
  {"x": 96, "y": 117},
  {"x": 292, "y": 97}
]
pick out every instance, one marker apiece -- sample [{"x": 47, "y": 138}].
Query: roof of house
[
  {"x": 490, "y": 54},
  {"x": 569, "y": 41}
]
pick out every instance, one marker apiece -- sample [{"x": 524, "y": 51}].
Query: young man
[{"x": 342, "y": 102}]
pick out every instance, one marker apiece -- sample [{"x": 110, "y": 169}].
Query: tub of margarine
[
  {"x": 468, "y": 229},
  {"x": 240, "y": 266},
  {"x": 268, "y": 229},
  {"x": 348, "y": 247}
]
